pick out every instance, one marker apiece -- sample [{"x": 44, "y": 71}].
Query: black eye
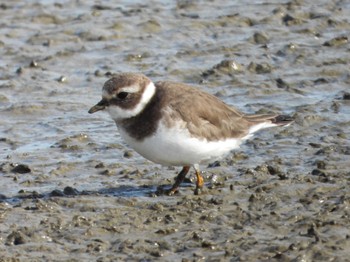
[{"x": 122, "y": 95}]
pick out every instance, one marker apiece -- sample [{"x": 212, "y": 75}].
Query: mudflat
[{"x": 72, "y": 190}]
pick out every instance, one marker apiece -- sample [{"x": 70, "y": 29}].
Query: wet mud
[{"x": 72, "y": 190}]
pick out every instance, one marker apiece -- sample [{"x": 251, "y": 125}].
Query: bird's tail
[
  {"x": 282, "y": 120},
  {"x": 260, "y": 121}
]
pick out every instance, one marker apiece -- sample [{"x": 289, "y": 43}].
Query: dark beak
[{"x": 99, "y": 106}]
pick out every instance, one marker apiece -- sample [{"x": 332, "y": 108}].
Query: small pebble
[
  {"x": 33, "y": 63},
  {"x": 128, "y": 154},
  {"x": 337, "y": 41},
  {"x": 62, "y": 79}
]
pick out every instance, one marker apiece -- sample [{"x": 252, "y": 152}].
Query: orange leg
[{"x": 199, "y": 182}]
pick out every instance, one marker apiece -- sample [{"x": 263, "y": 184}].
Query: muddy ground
[{"x": 72, "y": 190}]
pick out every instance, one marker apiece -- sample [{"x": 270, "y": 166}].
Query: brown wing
[{"x": 205, "y": 115}]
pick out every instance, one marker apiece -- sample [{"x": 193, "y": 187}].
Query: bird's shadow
[{"x": 119, "y": 191}]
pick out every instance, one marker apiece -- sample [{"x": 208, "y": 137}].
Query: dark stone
[
  {"x": 321, "y": 80},
  {"x": 15, "y": 238},
  {"x": 337, "y": 41},
  {"x": 2, "y": 197},
  {"x": 214, "y": 164},
  {"x": 281, "y": 83},
  {"x": 346, "y": 96},
  {"x": 128, "y": 154},
  {"x": 318, "y": 172},
  {"x": 100, "y": 165},
  {"x": 70, "y": 191},
  {"x": 273, "y": 170},
  {"x": 33, "y": 63},
  {"x": 56, "y": 193},
  {"x": 21, "y": 169}
]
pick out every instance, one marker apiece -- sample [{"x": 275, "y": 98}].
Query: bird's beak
[{"x": 99, "y": 106}]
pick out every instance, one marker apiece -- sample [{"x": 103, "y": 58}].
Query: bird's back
[{"x": 207, "y": 116}]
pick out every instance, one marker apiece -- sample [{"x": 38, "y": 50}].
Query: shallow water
[{"x": 67, "y": 189}]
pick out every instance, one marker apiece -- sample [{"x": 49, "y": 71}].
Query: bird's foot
[
  {"x": 198, "y": 191},
  {"x": 172, "y": 191},
  {"x": 175, "y": 188},
  {"x": 161, "y": 191}
]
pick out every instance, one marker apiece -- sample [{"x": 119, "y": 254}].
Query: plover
[{"x": 175, "y": 124}]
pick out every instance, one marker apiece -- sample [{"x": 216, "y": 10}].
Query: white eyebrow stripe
[{"x": 130, "y": 89}]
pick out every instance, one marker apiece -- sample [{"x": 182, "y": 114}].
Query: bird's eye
[{"x": 122, "y": 95}]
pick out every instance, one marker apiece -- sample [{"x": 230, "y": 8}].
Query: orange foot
[{"x": 199, "y": 182}]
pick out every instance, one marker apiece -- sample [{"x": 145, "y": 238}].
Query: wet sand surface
[{"x": 72, "y": 190}]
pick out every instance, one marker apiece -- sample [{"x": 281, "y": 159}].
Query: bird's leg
[
  {"x": 200, "y": 180},
  {"x": 179, "y": 179}
]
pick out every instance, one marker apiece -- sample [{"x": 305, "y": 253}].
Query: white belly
[{"x": 176, "y": 147}]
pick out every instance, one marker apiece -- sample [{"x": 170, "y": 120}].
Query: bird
[{"x": 177, "y": 124}]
